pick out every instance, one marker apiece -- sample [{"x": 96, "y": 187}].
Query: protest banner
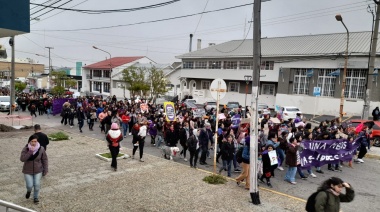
[
  {"x": 144, "y": 107},
  {"x": 320, "y": 152},
  {"x": 199, "y": 113},
  {"x": 169, "y": 111},
  {"x": 235, "y": 121}
]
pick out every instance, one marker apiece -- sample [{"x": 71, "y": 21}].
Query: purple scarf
[{"x": 36, "y": 148}]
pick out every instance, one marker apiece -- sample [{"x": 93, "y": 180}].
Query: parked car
[
  {"x": 375, "y": 136},
  {"x": 190, "y": 100},
  {"x": 263, "y": 108},
  {"x": 209, "y": 105},
  {"x": 290, "y": 112},
  {"x": 232, "y": 105},
  {"x": 5, "y": 103}
]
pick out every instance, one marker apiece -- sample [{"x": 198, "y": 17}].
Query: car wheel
[{"x": 376, "y": 141}]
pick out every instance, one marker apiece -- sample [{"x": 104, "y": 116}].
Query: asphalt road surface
[{"x": 364, "y": 177}]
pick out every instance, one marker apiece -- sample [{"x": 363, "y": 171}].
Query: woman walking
[
  {"x": 267, "y": 167},
  {"x": 227, "y": 150},
  {"x": 193, "y": 145},
  {"x": 35, "y": 166},
  {"x": 113, "y": 138},
  {"x": 245, "y": 165}
]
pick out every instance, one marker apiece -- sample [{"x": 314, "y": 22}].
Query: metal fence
[{"x": 9, "y": 205}]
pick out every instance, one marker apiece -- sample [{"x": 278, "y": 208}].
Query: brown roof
[{"x": 112, "y": 63}]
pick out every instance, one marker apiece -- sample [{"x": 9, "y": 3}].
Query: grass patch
[
  {"x": 108, "y": 155},
  {"x": 58, "y": 136},
  {"x": 215, "y": 179}
]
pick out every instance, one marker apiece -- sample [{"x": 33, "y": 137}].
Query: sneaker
[
  {"x": 320, "y": 171},
  {"x": 141, "y": 160},
  {"x": 304, "y": 178},
  {"x": 237, "y": 171},
  {"x": 71, "y": 126},
  {"x": 293, "y": 183},
  {"x": 313, "y": 175},
  {"x": 360, "y": 160},
  {"x": 280, "y": 168},
  {"x": 269, "y": 185},
  {"x": 185, "y": 159},
  {"x": 130, "y": 134},
  {"x": 27, "y": 195},
  {"x": 125, "y": 136},
  {"x": 331, "y": 169},
  {"x": 36, "y": 200},
  {"x": 194, "y": 167},
  {"x": 136, "y": 144}
]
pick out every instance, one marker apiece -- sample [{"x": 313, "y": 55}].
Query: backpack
[
  {"x": 310, "y": 204},
  {"x": 239, "y": 155}
]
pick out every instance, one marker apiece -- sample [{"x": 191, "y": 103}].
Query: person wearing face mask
[
  {"x": 331, "y": 196},
  {"x": 35, "y": 166}
]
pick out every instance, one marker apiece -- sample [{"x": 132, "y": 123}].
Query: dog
[{"x": 170, "y": 152}]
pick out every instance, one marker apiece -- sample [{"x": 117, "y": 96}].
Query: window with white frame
[
  {"x": 230, "y": 65},
  {"x": 97, "y": 86},
  {"x": 268, "y": 89},
  {"x": 326, "y": 83},
  {"x": 97, "y": 73},
  {"x": 188, "y": 65},
  {"x": 301, "y": 82},
  {"x": 215, "y": 65},
  {"x": 205, "y": 85},
  {"x": 246, "y": 65},
  {"x": 200, "y": 64},
  {"x": 355, "y": 84},
  {"x": 106, "y": 86},
  {"x": 107, "y": 73},
  {"x": 267, "y": 65},
  {"x": 233, "y": 87}
]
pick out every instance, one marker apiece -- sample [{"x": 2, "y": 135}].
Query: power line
[
  {"x": 45, "y": 7},
  {"x": 109, "y": 11},
  {"x": 52, "y": 9},
  {"x": 200, "y": 18},
  {"x": 241, "y": 43},
  {"x": 145, "y": 22}
]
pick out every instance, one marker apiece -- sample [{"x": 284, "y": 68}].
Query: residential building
[{"x": 290, "y": 69}]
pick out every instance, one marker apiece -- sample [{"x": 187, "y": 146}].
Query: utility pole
[
  {"x": 13, "y": 99},
  {"x": 48, "y": 82},
  {"x": 371, "y": 66},
  {"x": 254, "y": 190}
]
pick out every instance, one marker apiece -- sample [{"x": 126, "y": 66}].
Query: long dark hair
[{"x": 327, "y": 183}]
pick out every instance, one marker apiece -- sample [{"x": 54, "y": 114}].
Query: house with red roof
[{"x": 104, "y": 77}]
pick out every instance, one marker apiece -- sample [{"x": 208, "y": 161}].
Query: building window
[
  {"x": 205, "y": 85},
  {"x": 230, "y": 65},
  {"x": 106, "y": 87},
  {"x": 355, "y": 84},
  {"x": 233, "y": 87},
  {"x": 215, "y": 65},
  {"x": 97, "y": 86},
  {"x": 326, "y": 83},
  {"x": 188, "y": 65},
  {"x": 267, "y": 65},
  {"x": 246, "y": 65},
  {"x": 97, "y": 73},
  {"x": 267, "y": 89},
  {"x": 301, "y": 82},
  {"x": 107, "y": 73},
  {"x": 200, "y": 64}
]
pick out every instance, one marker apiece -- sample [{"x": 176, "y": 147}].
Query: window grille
[
  {"x": 326, "y": 83},
  {"x": 230, "y": 65},
  {"x": 268, "y": 89},
  {"x": 188, "y": 65},
  {"x": 301, "y": 82},
  {"x": 245, "y": 65},
  {"x": 215, "y": 65},
  {"x": 205, "y": 85},
  {"x": 355, "y": 84},
  {"x": 233, "y": 87},
  {"x": 200, "y": 64},
  {"x": 267, "y": 65}
]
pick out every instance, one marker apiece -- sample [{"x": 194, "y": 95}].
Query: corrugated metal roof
[
  {"x": 114, "y": 62},
  {"x": 308, "y": 45}
]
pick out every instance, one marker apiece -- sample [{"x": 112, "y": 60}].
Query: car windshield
[
  {"x": 4, "y": 99},
  {"x": 211, "y": 103},
  {"x": 191, "y": 100},
  {"x": 262, "y": 107},
  {"x": 292, "y": 109}
]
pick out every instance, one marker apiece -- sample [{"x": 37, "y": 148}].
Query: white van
[{"x": 5, "y": 103}]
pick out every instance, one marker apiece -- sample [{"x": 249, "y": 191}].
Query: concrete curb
[
  {"x": 372, "y": 156},
  {"x": 124, "y": 156}
]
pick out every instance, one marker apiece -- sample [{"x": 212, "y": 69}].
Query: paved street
[{"x": 363, "y": 177}]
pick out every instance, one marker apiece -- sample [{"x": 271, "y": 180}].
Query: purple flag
[{"x": 321, "y": 152}]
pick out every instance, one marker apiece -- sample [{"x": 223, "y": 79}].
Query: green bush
[
  {"x": 108, "y": 155},
  {"x": 59, "y": 136},
  {"x": 215, "y": 179}
]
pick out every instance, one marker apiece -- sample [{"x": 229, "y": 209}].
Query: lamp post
[
  {"x": 110, "y": 68},
  {"x": 50, "y": 68},
  {"x": 247, "y": 78},
  {"x": 338, "y": 17}
]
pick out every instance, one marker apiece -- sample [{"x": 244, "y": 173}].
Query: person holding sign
[{"x": 270, "y": 162}]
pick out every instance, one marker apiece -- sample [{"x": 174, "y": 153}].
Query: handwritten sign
[{"x": 199, "y": 113}]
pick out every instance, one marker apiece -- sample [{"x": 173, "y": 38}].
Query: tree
[
  {"x": 158, "y": 82},
  {"x": 61, "y": 80},
  {"x": 20, "y": 86},
  {"x": 134, "y": 79}
]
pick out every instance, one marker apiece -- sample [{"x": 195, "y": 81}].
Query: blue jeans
[
  {"x": 33, "y": 181},
  {"x": 226, "y": 165},
  {"x": 300, "y": 171},
  {"x": 291, "y": 174},
  {"x": 159, "y": 140},
  {"x": 281, "y": 155},
  {"x": 125, "y": 128}
]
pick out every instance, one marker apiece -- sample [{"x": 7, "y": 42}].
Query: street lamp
[
  {"x": 110, "y": 68},
  {"x": 338, "y": 17},
  {"x": 247, "y": 78}
]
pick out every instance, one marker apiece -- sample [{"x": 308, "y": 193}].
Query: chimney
[
  {"x": 199, "y": 44},
  {"x": 211, "y": 44},
  {"x": 191, "y": 42}
]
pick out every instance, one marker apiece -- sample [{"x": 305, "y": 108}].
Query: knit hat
[{"x": 114, "y": 126}]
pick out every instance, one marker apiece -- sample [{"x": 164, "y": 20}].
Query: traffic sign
[
  {"x": 218, "y": 85},
  {"x": 317, "y": 91}
]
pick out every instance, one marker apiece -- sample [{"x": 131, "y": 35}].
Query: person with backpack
[
  {"x": 114, "y": 136},
  {"x": 329, "y": 196}
]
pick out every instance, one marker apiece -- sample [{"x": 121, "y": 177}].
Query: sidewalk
[{"x": 78, "y": 181}]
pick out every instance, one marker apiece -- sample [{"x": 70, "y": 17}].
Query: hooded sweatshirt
[{"x": 114, "y": 137}]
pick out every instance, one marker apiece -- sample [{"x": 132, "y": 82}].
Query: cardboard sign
[
  {"x": 144, "y": 107},
  {"x": 199, "y": 113},
  {"x": 221, "y": 116},
  {"x": 273, "y": 157},
  {"x": 169, "y": 111}
]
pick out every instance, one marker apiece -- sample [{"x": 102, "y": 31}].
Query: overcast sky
[{"x": 162, "y": 41}]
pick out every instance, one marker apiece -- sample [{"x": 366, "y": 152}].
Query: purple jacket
[
  {"x": 38, "y": 165},
  {"x": 153, "y": 129}
]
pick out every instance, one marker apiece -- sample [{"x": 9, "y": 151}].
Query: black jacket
[
  {"x": 171, "y": 138},
  {"x": 266, "y": 163},
  {"x": 227, "y": 150},
  {"x": 182, "y": 136},
  {"x": 42, "y": 139},
  {"x": 80, "y": 115},
  {"x": 192, "y": 143}
]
